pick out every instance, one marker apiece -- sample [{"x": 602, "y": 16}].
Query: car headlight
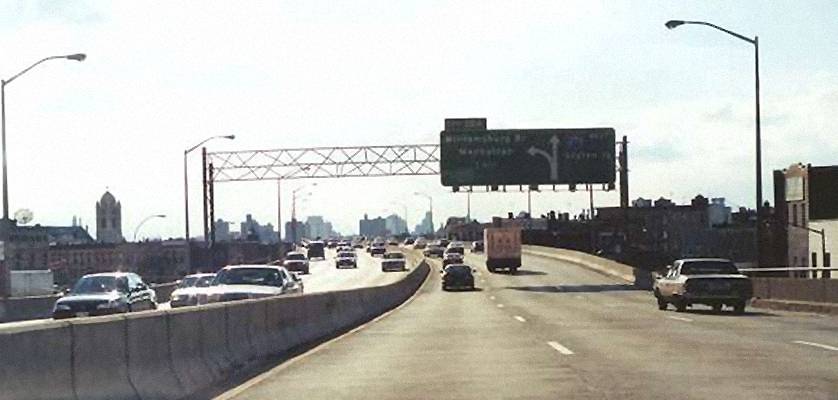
[{"x": 62, "y": 307}]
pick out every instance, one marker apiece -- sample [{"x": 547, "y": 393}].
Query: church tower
[{"x": 108, "y": 219}]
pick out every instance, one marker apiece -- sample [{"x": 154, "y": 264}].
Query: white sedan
[
  {"x": 190, "y": 288},
  {"x": 240, "y": 282}
]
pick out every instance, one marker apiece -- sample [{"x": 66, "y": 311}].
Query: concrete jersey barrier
[
  {"x": 172, "y": 354},
  {"x": 640, "y": 278}
]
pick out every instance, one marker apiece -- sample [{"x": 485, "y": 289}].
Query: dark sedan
[
  {"x": 457, "y": 276},
  {"x": 434, "y": 251},
  {"x": 106, "y": 293},
  {"x": 378, "y": 249}
]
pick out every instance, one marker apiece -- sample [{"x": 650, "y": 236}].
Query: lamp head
[
  {"x": 672, "y": 24},
  {"x": 231, "y": 137},
  {"x": 77, "y": 57}
]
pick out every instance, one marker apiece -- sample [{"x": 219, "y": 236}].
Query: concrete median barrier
[
  {"x": 283, "y": 318},
  {"x": 26, "y": 308},
  {"x": 164, "y": 291},
  {"x": 100, "y": 359},
  {"x": 259, "y": 335},
  {"x": 171, "y": 354},
  {"x": 150, "y": 366},
  {"x": 213, "y": 337},
  {"x": 640, "y": 278},
  {"x": 239, "y": 332},
  {"x": 186, "y": 346},
  {"x": 35, "y": 362}
]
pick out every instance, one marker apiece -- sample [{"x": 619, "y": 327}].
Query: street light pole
[
  {"x": 137, "y": 229},
  {"x": 294, "y": 211},
  {"x": 468, "y": 206},
  {"x": 186, "y": 180},
  {"x": 3, "y": 83},
  {"x": 672, "y": 24}
]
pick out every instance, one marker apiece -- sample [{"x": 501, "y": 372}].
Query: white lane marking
[
  {"x": 561, "y": 349},
  {"x": 520, "y": 318},
  {"x": 491, "y": 297},
  {"x": 679, "y": 318},
  {"x": 500, "y": 305},
  {"x": 823, "y": 346}
]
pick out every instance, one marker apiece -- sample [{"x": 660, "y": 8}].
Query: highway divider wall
[
  {"x": 171, "y": 354},
  {"x": 24, "y": 308},
  {"x": 640, "y": 278},
  {"x": 797, "y": 289},
  {"x": 37, "y": 307}
]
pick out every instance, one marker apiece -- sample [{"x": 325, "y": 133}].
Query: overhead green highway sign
[{"x": 495, "y": 157}]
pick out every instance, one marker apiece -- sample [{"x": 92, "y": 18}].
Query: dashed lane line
[
  {"x": 679, "y": 318},
  {"x": 561, "y": 349}
]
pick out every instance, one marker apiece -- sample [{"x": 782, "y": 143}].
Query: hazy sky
[{"x": 161, "y": 76}]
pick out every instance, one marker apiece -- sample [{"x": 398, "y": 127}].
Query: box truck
[{"x": 502, "y": 248}]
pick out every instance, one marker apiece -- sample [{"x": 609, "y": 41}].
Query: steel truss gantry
[{"x": 313, "y": 162}]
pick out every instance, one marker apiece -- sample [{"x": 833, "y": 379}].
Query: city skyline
[{"x": 684, "y": 98}]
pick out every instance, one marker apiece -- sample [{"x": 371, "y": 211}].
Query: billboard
[{"x": 498, "y": 157}]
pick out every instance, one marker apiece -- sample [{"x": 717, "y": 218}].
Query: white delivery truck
[{"x": 502, "y": 248}]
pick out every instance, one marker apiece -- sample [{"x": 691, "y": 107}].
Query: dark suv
[{"x": 106, "y": 293}]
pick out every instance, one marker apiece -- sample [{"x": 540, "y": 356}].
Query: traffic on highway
[
  {"x": 546, "y": 330},
  {"x": 418, "y": 200}
]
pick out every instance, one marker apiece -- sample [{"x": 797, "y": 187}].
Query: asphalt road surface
[
  {"x": 325, "y": 277},
  {"x": 556, "y": 330}
]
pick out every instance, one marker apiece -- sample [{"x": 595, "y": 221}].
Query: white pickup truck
[{"x": 502, "y": 248}]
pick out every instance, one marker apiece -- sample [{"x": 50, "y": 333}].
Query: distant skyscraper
[
  {"x": 293, "y": 234},
  {"x": 252, "y": 231},
  {"x": 372, "y": 228},
  {"x": 222, "y": 230},
  {"x": 426, "y": 226},
  {"x": 108, "y": 219},
  {"x": 318, "y": 227},
  {"x": 395, "y": 224}
]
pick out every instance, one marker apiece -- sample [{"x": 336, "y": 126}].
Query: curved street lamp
[
  {"x": 294, "y": 210},
  {"x": 672, "y": 24},
  {"x": 137, "y": 229},
  {"x": 186, "y": 180},
  {"x": 3, "y": 83}
]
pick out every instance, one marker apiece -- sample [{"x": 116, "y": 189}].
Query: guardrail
[
  {"x": 775, "y": 269},
  {"x": 172, "y": 354}
]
